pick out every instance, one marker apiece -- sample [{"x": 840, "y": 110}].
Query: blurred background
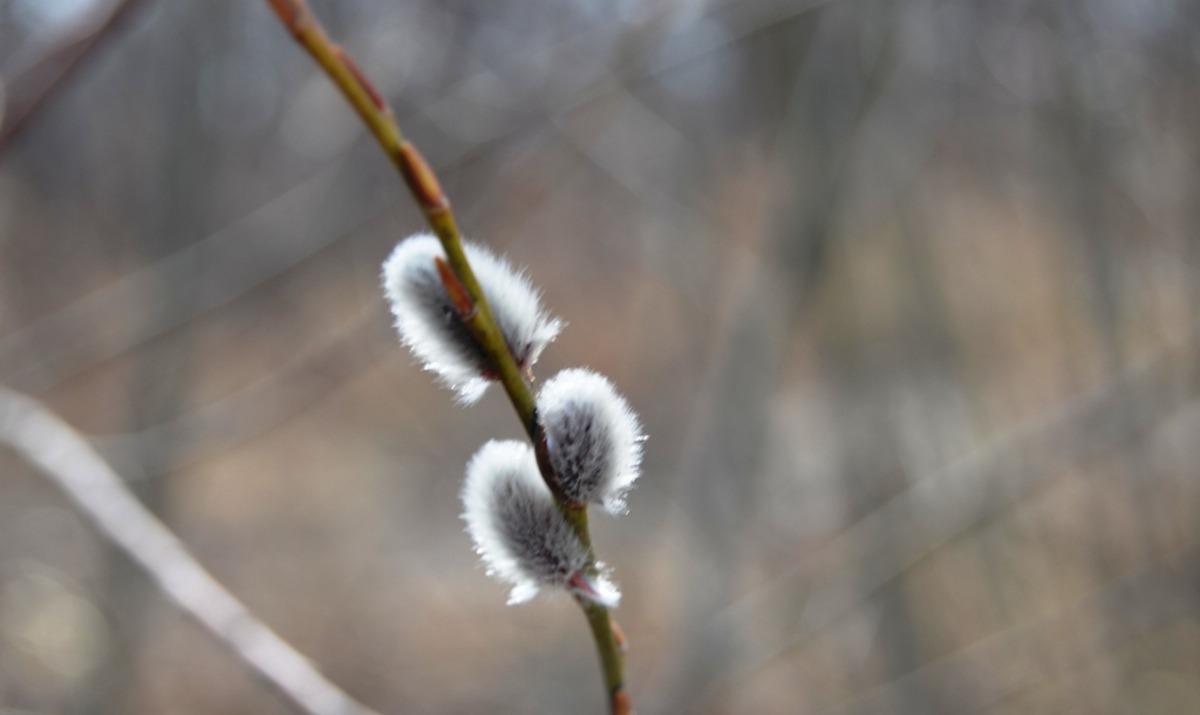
[{"x": 905, "y": 292}]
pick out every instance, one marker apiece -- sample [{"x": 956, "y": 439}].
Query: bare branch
[{"x": 64, "y": 456}]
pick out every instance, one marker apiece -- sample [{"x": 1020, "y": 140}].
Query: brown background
[{"x": 905, "y": 293}]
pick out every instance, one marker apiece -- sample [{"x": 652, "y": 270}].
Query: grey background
[{"x": 905, "y": 293}]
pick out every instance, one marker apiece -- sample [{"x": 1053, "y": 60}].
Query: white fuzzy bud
[
  {"x": 593, "y": 438},
  {"x": 430, "y": 325},
  {"x": 519, "y": 531}
]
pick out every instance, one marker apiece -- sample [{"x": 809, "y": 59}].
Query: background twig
[{"x": 70, "y": 462}]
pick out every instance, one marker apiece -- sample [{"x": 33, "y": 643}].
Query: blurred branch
[
  {"x": 73, "y": 465},
  {"x": 942, "y": 506},
  {"x": 52, "y": 68}
]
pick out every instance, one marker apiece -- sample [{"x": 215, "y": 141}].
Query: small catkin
[
  {"x": 518, "y": 530},
  {"x": 593, "y": 438},
  {"x": 429, "y": 323}
]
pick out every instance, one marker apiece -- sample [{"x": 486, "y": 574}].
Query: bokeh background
[{"x": 905, "y": 292}]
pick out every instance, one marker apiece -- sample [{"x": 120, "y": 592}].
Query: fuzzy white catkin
[
  {"x": 430, "y": 326},
  {"x": 593, "y": 437},
  {"x": 519, "y": 532}
]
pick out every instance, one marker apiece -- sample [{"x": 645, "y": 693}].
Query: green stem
[
  {"x": 423, "y": 184},
  {"x": 612, "y": 660}
]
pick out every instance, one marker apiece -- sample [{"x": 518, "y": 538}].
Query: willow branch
[
  {"x": 64, "y": 456},
  {"x": 422, "y": 182}
]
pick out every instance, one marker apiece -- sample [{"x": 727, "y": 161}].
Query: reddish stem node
[
  {"x": 361, "y": 77},
  {"x": 622, "y": 703},
  {"x": 619, "y": 636},
  {"x": 421, "y": 180},
  {"x": 287, "y": 12},
  {"x": 455, "y": 289}
]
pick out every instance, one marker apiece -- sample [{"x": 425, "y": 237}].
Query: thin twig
[
  {"x": 64, "y": 456},
  {"x": 426, "y": 190}
]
